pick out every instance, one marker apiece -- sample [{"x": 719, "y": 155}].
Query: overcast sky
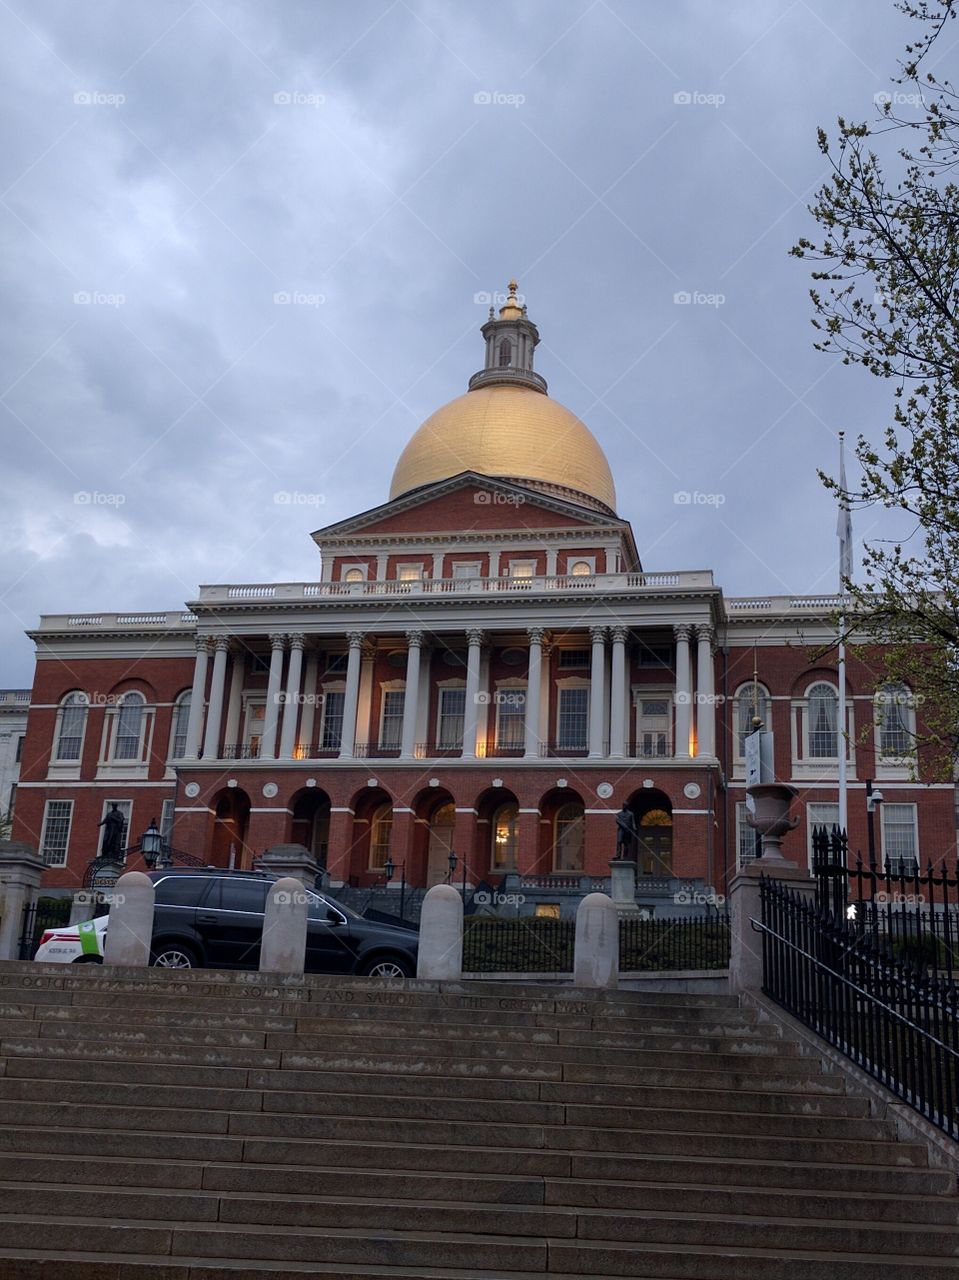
[{"x": 170, "y": 167}]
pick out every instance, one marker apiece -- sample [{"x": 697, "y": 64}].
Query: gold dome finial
[{"x": 512, "y": 309}]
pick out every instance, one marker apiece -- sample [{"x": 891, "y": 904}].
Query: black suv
[{"x": 214, "y": 919}]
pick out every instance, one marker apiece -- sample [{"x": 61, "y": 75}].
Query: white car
[{"x": 74, "y": 943}]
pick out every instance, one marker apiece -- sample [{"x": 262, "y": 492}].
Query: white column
[
  {"x": 231, "y": 734},
  {"x": 309, "y": 701},
  {"x": 272, "y": 710},
  {"x": 381, "y": 563},
  {"x": 533, "y": 690},
  {"x": 617, "y": 704},
  {"x": 474, "y": 639},
  {"x": 494, "y": 564},
  {"x": 437, "y": 564},
  {"x": 411, "y": 695},
  {"x": 214, "y": 716},
  {"x": 351, "y": 698},
  {"x": 705, "y": 693},
  {"x": 683, "y": 696},
  {"x": 551, "y": 562},
  {"x": 597, "y": 697},
  {"x": 195, "y": 718},
  {"x": 291, "y": 703}
]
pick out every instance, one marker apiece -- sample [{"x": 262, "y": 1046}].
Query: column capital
[
  {"x": 414, "y": 639},
  {"x": 204, "y": 644},
  {"x": 297, "y": 640},
  {"x": 536, "y": 634},
  {"x": 597, "y": 635},
  {"x": 277, "y": 640},
  {"x": 683, "y": 631},
  {"x": 619, "y": 635},
  {"x": 475, "y": 636},
  {"x": 355, "y": 639},
  {"x": 705, "y": 631},
  {"x": 222, "y": 644}
]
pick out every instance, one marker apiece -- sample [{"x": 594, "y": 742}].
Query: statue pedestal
[{"x": 623, "y": 887}]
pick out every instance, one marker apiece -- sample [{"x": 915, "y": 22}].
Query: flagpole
[{"x": 844, "y": 564}]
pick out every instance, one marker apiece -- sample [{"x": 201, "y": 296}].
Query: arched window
[
  {"x": 129, "y": 727},
  {"x": 505, "y": 837},
  {"x": 569, "y": 837},
  {"x": 73, "y": 721},
  {"x": 181, "y": 717},
  {"x": 823, "y": 711},
  {"x": 580, "y": 568},
  {"x": 505, "y": 354},
  {"x": 753, "y": 700},
  {"x": 381, "y": 832},
  {"x": 894, "y": 717},
  {"x": 353, "y": 575}
]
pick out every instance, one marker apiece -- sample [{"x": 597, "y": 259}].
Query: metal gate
[{"x": 48, "y": 913}]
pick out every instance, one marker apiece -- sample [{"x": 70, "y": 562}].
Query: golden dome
[{"x": 514, "y": 433}]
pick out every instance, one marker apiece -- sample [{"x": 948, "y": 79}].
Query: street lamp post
[
  {"x": 873, "y": 801},
  {"x": 452, "y": 860},
  {"x": 151, "y": 845}
]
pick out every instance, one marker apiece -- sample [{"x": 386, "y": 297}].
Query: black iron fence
[
  {"x": 536, "y": 944},
  {"x": 692, "y": 942},
  {"x": 47, "y": 913},
  {"x": 895, "y": 1018}
]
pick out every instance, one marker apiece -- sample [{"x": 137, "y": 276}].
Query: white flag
[{"x": 844, "y": 523}]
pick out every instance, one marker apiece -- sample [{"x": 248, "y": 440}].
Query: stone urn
[{"x": 771, "y": 818}]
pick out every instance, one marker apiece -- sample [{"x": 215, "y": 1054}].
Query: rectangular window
[
  {"x": 573, "y": 719},
  {"x": 573, "y": 658},
  {"x": 510, "y": 719},
  {"x": 655, "y": 655},
  {"x": 126, "y": 808},
  {"x": 55, "y": 837},
  {"x": 652, "y": 734},
  {"x": 166, "y": 821},
  {"x": 332, "y": 735},
  {"x": 470, "y": 570},
  {"x": 748, "y": 841},
  {"x": 900, "y": 839},
  {"x": 259, "y": 664},
  {"x": 410, "y": 573},
  {"x": 391, "y": 725},
  {"x": 819, "y": 815},
  {"x": 19, "y": 754},
  {"x": 894, "y": 737},
  {"x": 452, "y": 712},
  {"x": 336, "y": 663},
  {"x": 522, "y": 568}
]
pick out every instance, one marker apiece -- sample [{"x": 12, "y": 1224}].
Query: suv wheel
[
  {"x": 174, "y": 955},
  {"x": 387, "y": 967}
]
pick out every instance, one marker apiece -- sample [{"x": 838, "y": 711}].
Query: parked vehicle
[{"x": 210, "y": 919}]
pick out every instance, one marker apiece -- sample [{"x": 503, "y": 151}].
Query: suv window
[
  {"x": 239, "y": 895},
  {"x": 181, "y": 891}
]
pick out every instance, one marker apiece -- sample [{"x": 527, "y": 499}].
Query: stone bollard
[
  {"x": 745, "y": 906},
  {"x": 441, "y": 935},
  {"x": 596, "y": 957},
  {"x": 130, "y": 929},
  {"x": 283, "y": 948}
]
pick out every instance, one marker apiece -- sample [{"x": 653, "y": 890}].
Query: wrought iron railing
[
  {"x": 893, "y": 1018},
  {"x": 691, "y": 942},
  {"x": 530, "y": 944}
]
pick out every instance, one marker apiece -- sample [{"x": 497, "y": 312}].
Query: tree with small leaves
[{"x": 886, "y": 297}]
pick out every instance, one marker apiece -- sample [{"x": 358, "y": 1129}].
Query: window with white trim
[
  {"x": 355, "y": 573},
  {"x": 748, "y": 840},
  {"x": 55, "y": 835},
  {"x": 653, "y": 724},
  {"x": 452, "y": 712},
  {"x": 167, "y": 814},
  {"x": 253, "y": 729},
  {"x": 895, "y": 722},
  {"x": 819, "y": 814},
  {"x": 510, "y": 718},
  {"x": 751, "y": 701},
  {"x": 181, "y": 718},
  {"x": 900, "y": 838},
  {"x": 410, "y": 573},
  {"x": 72, "y": 722},
  {"x": 822, "y": 722},
  {"x": 522, "y": 568},
  {"x": 580, "y": 568},
  {"x": 126, "y": 809},
  {"x": 331, "y": 732},
  {"x": 391, "y": 718},
  {"x": 128, "y": 727},
  {"x": 573, "y": 718},
  {"x": 466, "y": 569}
]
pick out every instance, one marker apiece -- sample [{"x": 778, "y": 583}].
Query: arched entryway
[
  {"x": 310, "y": 825},
  {"x": 440, "y": 827},
  {"x": 372, "y": 834},
  {"x": 231, "y": 820},
  {"x": 562, "y": 832},
  {"x": 653, "y": 811},
  {"x": 498, "y": 821}
]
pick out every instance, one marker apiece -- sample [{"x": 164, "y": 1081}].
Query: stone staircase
[{"x": 213, "y": 1126}]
